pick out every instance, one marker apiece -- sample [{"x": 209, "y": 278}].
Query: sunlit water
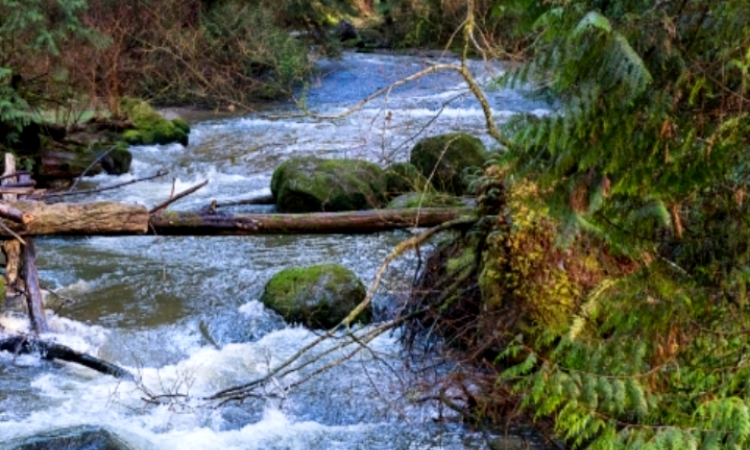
[{"x": 183, "y": 312}]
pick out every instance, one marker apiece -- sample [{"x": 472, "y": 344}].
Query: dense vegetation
[
  {"x": 641, "y": 177},
  {"x": 611, "y": 270}
]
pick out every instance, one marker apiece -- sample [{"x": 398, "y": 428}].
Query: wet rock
[
  {"x": 150, "y": 127},
  {"x": 424, "y": 200},
  {"x": 317, "y": 296},
  {"x": 309, "y": 184},
  {"x": 74, "y": 438},
  {"x": 450, "y": 156},
  {"x": 345, "y": 31},
  {"x": 401, "y": 178}
]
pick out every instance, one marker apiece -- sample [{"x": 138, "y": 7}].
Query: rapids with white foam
[{"x": 183, "y": 312}]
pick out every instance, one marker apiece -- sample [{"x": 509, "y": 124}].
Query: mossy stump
[
  {"x": 318, "y": 296},
  {"x": 444, "y": 159},
  {"x": 310, "y": 184}
]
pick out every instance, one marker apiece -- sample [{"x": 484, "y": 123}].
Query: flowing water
[{"x": 183, "y": 312}]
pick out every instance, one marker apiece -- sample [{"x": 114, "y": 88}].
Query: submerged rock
[
  {"x": 318, "y": 296},
  {"x": 310, "y": 184},
  {"x": 449, "y": 156},
  {"x": 74, "y": 438}
]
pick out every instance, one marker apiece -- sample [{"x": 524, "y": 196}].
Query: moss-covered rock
[
  {"x": 310, "y": 184},
  {"x": 150, "y": 126},
  {"x": 117, "y": 162},
  {"x": 424, "y": 200},
  {"x": 449, "y": 156},
  {"x": 401, "y": 178},
  {"x": 318, "y": 296}
]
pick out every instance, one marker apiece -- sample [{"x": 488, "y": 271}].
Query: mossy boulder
[
  {"x": 401, "y": 178},
  {"x": 309, "y": 184},
  {"x": 317, "y": 296},
  {"x": 424, "y": 200},
  {"x": 449, "y": 156},
  {"x": 117, "y": 162},
  {"x": 150, "y": 126}
]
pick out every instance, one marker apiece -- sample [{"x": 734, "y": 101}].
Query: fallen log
[
  {"x": 97, "y": 218},
  {"x": 50, "y": 350},
  {"x": 185, "y": 223},
  {"x": 112, "y": 218}
]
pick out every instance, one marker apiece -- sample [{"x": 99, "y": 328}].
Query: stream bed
[{"x": 183, "y": 312}]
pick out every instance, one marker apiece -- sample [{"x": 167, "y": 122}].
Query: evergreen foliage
[
  {"x": 646, "y": 154},
  {"x": 28, "y": 29}
]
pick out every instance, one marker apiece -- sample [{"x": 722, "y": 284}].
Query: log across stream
[{"x": 112, "y": 218}]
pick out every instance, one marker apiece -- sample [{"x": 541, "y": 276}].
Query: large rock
[
  {"x": 318, "y": 296},
  {"x": 150, "y": 126},
  {"x": 310, "y": 184},
  {"x": 74, "y": 438},
  {"x": 449, "y": 156}
]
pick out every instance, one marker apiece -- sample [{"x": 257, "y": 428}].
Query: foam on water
[{"x": 182, "y": 313}]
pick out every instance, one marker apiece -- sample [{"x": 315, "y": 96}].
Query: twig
[
  {"x": 160, "y": 173},
  {"x": 173, "y": 199},
  {"x": 15, "y": 235}
]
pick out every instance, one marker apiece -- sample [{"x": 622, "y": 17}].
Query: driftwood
[
  {"x": 51, "y": 350},
  {"x": 112, "y": 218},
  {"x": 34, "y": 300},
  {"x": 97, "y": 218},
  {"x": 180, "y": 223}
]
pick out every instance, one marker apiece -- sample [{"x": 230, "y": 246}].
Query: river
[{"x": 183, "y": 312}]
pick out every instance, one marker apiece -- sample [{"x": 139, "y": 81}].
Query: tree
[{"x": 30, "y": 30}]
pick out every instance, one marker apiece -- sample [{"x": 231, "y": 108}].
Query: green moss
[
  {"x": 463, "y": 260},
  {"x": 445, "y": 159},
  {"x": 401, "y": 178},
  {"x": 318, "y": 296},
  {"x": 150, "y": 126},
  {"x": 312, "y": 184},
  {"x": 424, "y": 200},
  {"x": 117, "y": 162}
]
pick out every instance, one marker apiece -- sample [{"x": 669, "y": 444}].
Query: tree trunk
[{"x": 180, "y": 223}]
